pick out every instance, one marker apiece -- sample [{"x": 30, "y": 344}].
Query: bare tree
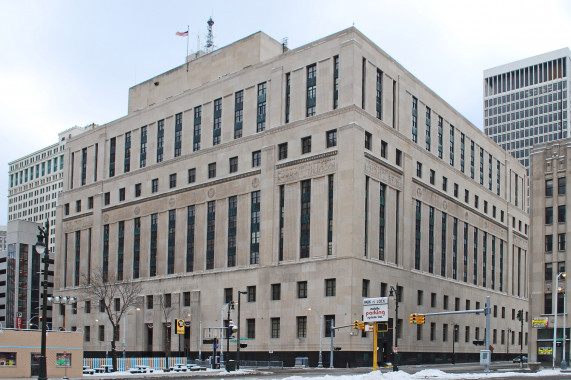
[
  {"x": 115, "y": 298},
  {"x": 164, "y": 302}
]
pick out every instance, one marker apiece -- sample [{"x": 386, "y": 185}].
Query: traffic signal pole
[{"x": 419, "y": 319}]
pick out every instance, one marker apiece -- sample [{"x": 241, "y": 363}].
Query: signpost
[
  {"x": 375, "y": 310},
  {"x": 19, "y": 321}
]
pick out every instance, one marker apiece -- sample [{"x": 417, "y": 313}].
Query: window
[
  {"x": 101, "y": 306},
  {"x": 548, "y": 271},
  {"x": 275, "y": 334},
  {"x": 331, "y": 137},
  {"x": 87, "y": 333},
  {"x": 301, "y": 327},
  {"x": 238, "y": 113},
  {"x": 444, "y": 184},
  {"x": 549, "y": 215},
  {"x": 186, "y": 296},
  {"x": 306, "y": 145},
  {"x": 302, "y": 289},
  {"x": 311, "y": 90},
  {"x": 212, "y": 170},
  {"x": 172, "y": 181},
  {"x": 467, "y": 196},
  {"x": 217, "y": 126},
  {"x": 418, "y": 332},
  {"x": 107, "y": 199},
  {"x": 137, "y": 190},
  {"x": 282, "y": 151},
  {"x": 150, "y": 302},
  {"x": 476, "y": 201},
  {"x": 419, "y": 297},
  {"x": 561, "y": 214},
  {"x": 368, "y": 140},
  {"x": 87, "y": 307},
  {"x": 365, "y": 288},
  {"x": 101, "y": 333},
  {"x": 432, "y": 299},
  {"x": 548, "y": 243},
  {"x": 456, "y": 190},
  {"x": 256, "y": 158},
  {"x": 251, "y": 328},
  {"x": 398, "y": 157},
  {"x": 561, "y": 242},
  {"x": 228, "y": 295},
  {"x": 419, "y": 169},
  {"x": 251, "y": 293},
  {"x": 233, "y": 164},
  {"x": 276, "y": 292},
  {"x": 261, "y": 109},
  {"x": 432, "y": 331},
  {"x": 384, "y": 149},
  {"x": 432, "y": 176},
  {"x": 191, "y": 175},
  {"x": 548, "y": 187},
  {"x": 155, "y": 185},
  {"x": 445, "y": 302},
  {"x": 561, "y": 185},
  {"x": 90, "y": 203},
  {"x": 117, "y": 304},
  {"x": 330, "y": 287},
  {"x": 78, "y": 205}
]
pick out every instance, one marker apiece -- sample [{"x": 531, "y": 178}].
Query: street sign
[
  {"x": 539, "y": 322},
  {"x": 376, "y": 309},
  {"x": 180, "y": 326}
]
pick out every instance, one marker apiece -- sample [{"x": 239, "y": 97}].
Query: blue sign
[{"x": 215, "y": 346}]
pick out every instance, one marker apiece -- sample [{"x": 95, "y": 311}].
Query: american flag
[{"x": 182, "y": 34}]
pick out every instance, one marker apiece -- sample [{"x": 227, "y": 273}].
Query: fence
[
  {"x": 160, "y": 363},
  {"x": 126, "y": 364}
]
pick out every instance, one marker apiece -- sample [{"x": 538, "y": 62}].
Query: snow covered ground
[{"x": 399, "y": 375}]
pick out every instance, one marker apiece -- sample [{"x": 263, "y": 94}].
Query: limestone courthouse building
[{"x": 308, "y": 179}]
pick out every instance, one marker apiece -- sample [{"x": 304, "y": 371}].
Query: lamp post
[
  {"x": 41, "y": 248},
  {"x": 238, "y": 331},
  {"x": 320, "y": 361},
  {"x": 395, "y": 293},
  {"x": 560, "y": 274},
  {"x": 28, "y": 324},
  {"x": 65, "y": 300},
  {"x": 230, "y": 306},
  {"x": 454, "y": 334},
  {"x": 563, "y": 361}
]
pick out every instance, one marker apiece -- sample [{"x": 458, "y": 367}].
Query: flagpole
[{"x": 187, "y": 42}]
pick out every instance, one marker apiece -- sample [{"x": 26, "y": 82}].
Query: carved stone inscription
[
  {"x": 78, "y": 224},
  {"x": 383, "y": 175},
  {"x": 307, "y": 170}
]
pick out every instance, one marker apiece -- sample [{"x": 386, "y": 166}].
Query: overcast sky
[{"x": 66, "y": 63}]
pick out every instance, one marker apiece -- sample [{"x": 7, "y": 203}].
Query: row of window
[
  {"x": 522, "y": 227},
  {"x": 27, "y": 174},
  {"x": 440, "y": 147}
]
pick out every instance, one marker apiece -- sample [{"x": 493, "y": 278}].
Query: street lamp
[
  {"x": 320, "y": 362},
  {"x": 563, "y": 362},
  {"x": 230, "y": 306},
  {"x": 395, "y": 293},
  {"x": 561, "y": 274},
  {"x": 28, "y": 324},
  {"x": 41, "y": 248},
  {"x": 238, "y": 331},
  {"x": 65, "y": 300},
  {"x": 454, "y": 335}
]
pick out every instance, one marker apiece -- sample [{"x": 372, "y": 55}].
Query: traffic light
[
  {"x": 420, "y": 320},
  {"x": 356, "y": 325},
  {"x": 361, "y": 325},
  {"x": 413, "y": 319},
  {"x": 232, "y": 328}
]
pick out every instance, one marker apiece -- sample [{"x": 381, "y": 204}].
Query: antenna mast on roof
[{"x": 209, "y": 37}]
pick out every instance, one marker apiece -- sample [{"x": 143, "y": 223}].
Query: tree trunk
[{"x": 114, "y": 346}]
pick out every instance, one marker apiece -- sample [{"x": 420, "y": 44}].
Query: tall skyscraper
[{"x": 526, "y": 102}]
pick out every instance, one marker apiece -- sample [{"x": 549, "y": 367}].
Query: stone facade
[
  {"x": 307, "y": 178},
  {"x": 548, "y": 181}
]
